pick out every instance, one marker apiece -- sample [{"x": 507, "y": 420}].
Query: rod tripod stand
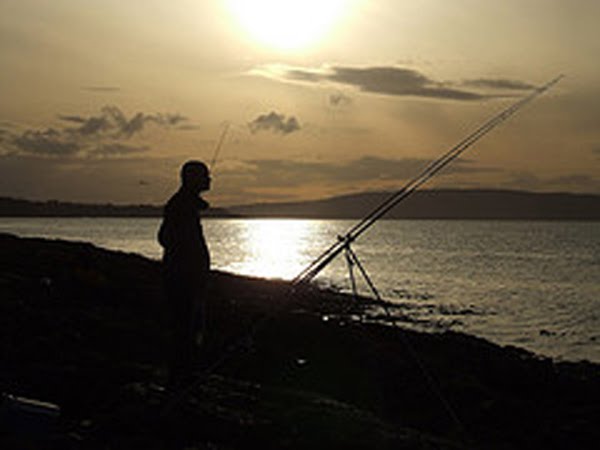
[{"x": 353, "y": 261}]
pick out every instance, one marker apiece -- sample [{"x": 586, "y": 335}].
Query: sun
[{"x": 288, "y": 24}]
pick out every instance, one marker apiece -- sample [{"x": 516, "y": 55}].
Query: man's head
[{"x": 195, "y": 176}]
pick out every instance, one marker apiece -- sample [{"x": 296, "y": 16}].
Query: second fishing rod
[{"x": 323, "y": 260}]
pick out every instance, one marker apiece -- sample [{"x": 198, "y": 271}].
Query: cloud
[
  {"x": 274, "y": 122},
  {"x": 88, "y": 180},
  {"x": 397, "y": 81},
  {"x": 101, "y": 88},
  {"x": 500, "y": 83},
  {"x": 278, "y": 172},
  {"x": 115, "y": 148},
  {"x": 96, "y": 135},
  {"x": 189, "y": 127},
  {"x": 394, "y": 81},
  {"x": 88, "y": 126},
  {"x": 386, "y": 80},
  {"x": 577, "y": 182},
  {"x": 305, "y": 75},
  {"x": 46, "y": 142},
  {"x": 112, "y": 120},
  {"x": 3, "y": 134},
  {"x": 574, "y": 182},
  {"x": 284, "y": 179},
  {"x": 339, "y": 99},
  {"x": 523, "y": 180},
  {"x": 76, "y": 119}
]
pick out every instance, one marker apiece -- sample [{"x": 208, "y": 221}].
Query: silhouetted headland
[
  {"x": 12, "y": 207},
  {"x": 440, "y": 204},
  {"x": 425, "y": 204},
  {"x": 83, "y": 327}
]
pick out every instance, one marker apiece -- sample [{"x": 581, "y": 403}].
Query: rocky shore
[{"x": 85, "y": 329}]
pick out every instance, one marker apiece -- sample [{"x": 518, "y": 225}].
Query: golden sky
[{"x": 103, "y": 100}]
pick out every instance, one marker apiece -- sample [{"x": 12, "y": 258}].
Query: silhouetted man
[{"x": 186, "y": 263}]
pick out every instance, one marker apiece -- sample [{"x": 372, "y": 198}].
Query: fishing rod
[
  {"x": 218, "y": 147},
  {"x": 343, "y": 242}
]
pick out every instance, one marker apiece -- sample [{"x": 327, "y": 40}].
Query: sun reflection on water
[{"x": 273, "y": 248}]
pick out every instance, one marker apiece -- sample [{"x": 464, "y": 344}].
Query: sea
[{"x": 530, "y": 284}]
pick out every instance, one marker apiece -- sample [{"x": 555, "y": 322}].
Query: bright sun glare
[
  {"x": 275, "y": 248},
  {"x": 288, "y": 24}
]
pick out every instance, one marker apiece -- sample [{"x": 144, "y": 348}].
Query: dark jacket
[{"x": 186, "y": 258}]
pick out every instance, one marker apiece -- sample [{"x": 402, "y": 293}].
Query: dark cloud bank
[
  {"x": 97, "y": 135},
  {"x": 112, "y": 121},
  {"x": 280, "y": 172},
  {"x": 398, "y": 81},
  {"x": 45, "y": 142},
  {"x": 500, "y": 83}
]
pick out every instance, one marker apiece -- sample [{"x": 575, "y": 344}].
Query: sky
[{"x": 102, "y": 101}]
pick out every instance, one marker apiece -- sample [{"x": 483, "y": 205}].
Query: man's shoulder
[{"x": 180, "y": 203}]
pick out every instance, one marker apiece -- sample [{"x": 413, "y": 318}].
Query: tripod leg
[
  {"x": 350, "y": 262},
  {"x": 364, "y": 273}
]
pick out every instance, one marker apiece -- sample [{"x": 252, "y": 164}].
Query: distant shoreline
[{"x": 442, "y": 204}]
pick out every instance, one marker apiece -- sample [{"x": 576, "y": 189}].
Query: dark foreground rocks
[{"x": 86, "y": 329}]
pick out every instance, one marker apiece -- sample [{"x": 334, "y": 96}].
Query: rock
[{"x": 84, "y": 328}]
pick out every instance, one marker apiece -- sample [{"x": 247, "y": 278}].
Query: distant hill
[
  {"x": 10, "y": 207},
  {"x": 440, "y": 204},
  {"x": 426, "y": 204}
]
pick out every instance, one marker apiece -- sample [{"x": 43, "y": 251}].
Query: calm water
[{"x": 531, "y": 284}]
